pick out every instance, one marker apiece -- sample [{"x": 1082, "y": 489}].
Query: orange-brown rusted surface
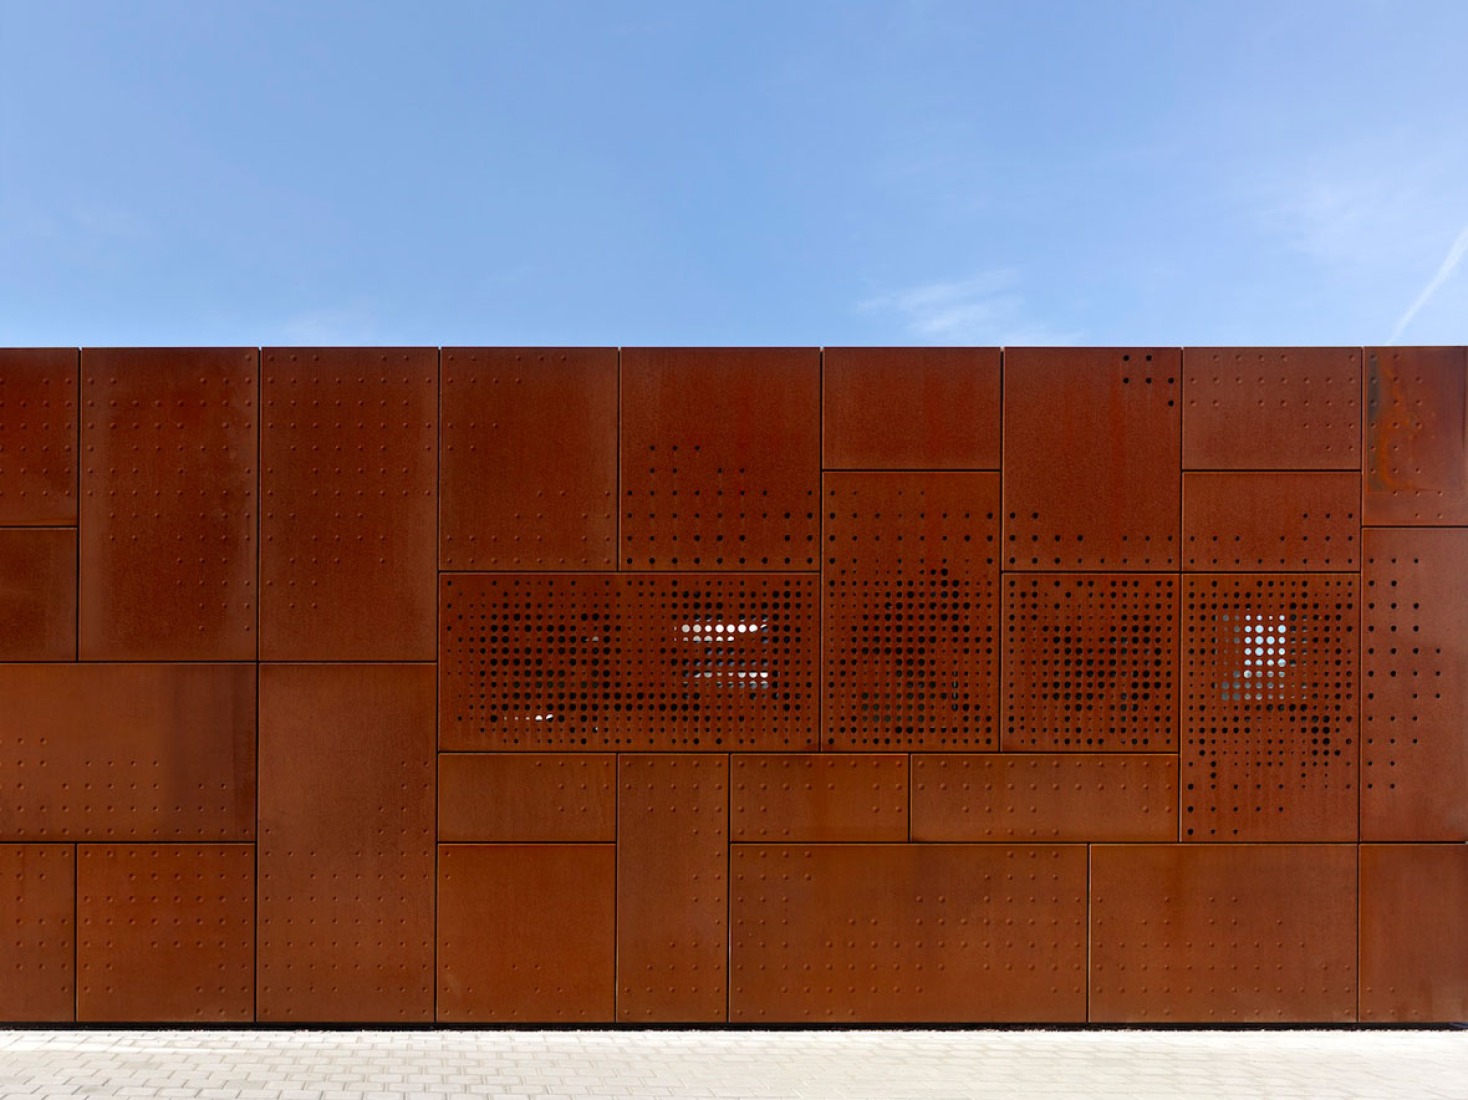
[
  {"x": 1271, "y": 521},
  {"x": 38, "y": 436},
  {"x": 523, "y": 797},
  {"x": 37, "y": 594},
  {"x": 38, "y": 933},
  {"x": 1416, "y": 462},
  {"x": 1414, "y": 956},
  {"x": 818, "y": 797}
]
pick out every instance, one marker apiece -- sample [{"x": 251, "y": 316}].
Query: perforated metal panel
[
  {"x": 37, "y": 594},
  {"x": 1417, "y": 436},
  {"x": 168, "y": 470},
  {"x": 1271, "y": 521},
  {"x": 520, "y": 796},
  {"x": 1212, "y": 933},
  {"x": 819, "y": 797},
  {"x": 848, "y": 933},
  {"x": 1270, "y": 706},
  {"x": 911, "y": 609},
  {"x": 37, "y": 937},
  {"x": 1414, "y": 956},
  {"x": 38, "y": 436},
  {"x": 1090, "y": 662},
  {"x": 528, "y": 475}
]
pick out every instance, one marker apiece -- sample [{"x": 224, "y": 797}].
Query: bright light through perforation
[
  {"x": 723, "y": 664},
  {"x": 1261, "y": 641}
]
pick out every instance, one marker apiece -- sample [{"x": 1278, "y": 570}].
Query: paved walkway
[{"x": 265, "y": 1065}]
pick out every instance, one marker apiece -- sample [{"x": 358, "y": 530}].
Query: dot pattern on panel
[
  {"x": 38, "y": 418},
  {"x": 1416, "y": 446},
  {"x": 36, "y": 932}
]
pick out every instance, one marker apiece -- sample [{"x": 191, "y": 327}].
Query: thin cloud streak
[
  {"x": 1444, "y": 273},
  {"x": 983, "y": 309}
]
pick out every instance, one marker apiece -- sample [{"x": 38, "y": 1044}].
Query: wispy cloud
[
  {"x": 982, "y": 309},
  {"x": 348, "y": 325},
  {"x": 1445, "y": 271}
]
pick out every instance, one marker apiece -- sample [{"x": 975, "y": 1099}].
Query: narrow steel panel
[
  {"x": 1090, "y": 662},
  {"x": 37, "y": 936},
  {"x": 898, "y": 933},
  {"x": 672, "y": 888},
  {"x": 819, "y": 797},
  {"x": 1269, "y": 714},
  {"x": 349, "y": 548},
  {"x": 524, "y": 797},
  {"x": 528, "y": 459},
  {"x": 38, "y": 436},
  {"x": 1415, "y": 685},
  {"x": 127, "y": 752},
  {"x": 1416, "y": 436},
  {"x": 37, "y": 594},
  {"x": 1272, "y": 408},
  {"x": 1223, "y": 933},
  {"x": 169, "y": 445},
  {"x": 910, "y": 619},
  {"x": 1271, "y": 521},
  {"x": 1092, "y": 458},
  {"x": 165, "y": 933},
  {"x": 1044, "y": 797},
  {"x": 346, "y": 843},
  {"x": 526, "y": 933},
  {"x": 721, "y": 458},
  {"x": 1414, "y": 955},
  {"x": 910, "y": 408}
]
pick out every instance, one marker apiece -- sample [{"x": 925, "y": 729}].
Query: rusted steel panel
[
  {"x": 526, "y": 933},
  {"x": 721, "y": 458},
  {"x": 899, "y": 933},
  {"x": 1269, "y": 713},
  {"x": 37, "y": 936},
  {"x": 346, "y": 843},
  {"x": 1416, "y": 436},
  {"x": 169, "y": 443},
  {"x": 165, "y": 933},
  {"x": 1272, "y": 408},
  {"x": 38, "y": 436},
  {"x": 910, "y": 408},
  {"x": 1223, "y": 933},
  {"x": 1414, "y": 956},
  {"x": 1044, "y": 797},
  {"x": 349, "y": 547},
  {"x": 1090, "y": 662},
  {"x": 37, "y": 594},
  {"x": 1092, "y": 458},
  {"x": 1271, "y": 521},
  {"x": 127, "y": 752},
  {"x": 910, "y": 620},
  {"x": 528, "y": 459},
  {"x": 819, "y": 797},
  {"x": 1415, "y": 685},
  {"x": 524, "y": 797},
  {"x": 672, "y": 888}
]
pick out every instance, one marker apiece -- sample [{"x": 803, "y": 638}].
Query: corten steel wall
[{"x": 747, "y": 686}]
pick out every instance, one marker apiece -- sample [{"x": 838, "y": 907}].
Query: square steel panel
[
  {"x": 526, "y": 933},
  {"x": 1271, "y": 521},
  {"x": 908, "y": 933},
  {"x": 349, "y": 548},
  {"x": 38, "y": 436},
  {"x": 1092, "y": 458},
  {"x": 1414, "y": 955},
  {"x": 819, "y": 796},
  {"x": 1416, "y": 436},
  {"x": 910, "y": 618},
  {"x": 910, "y": 408},
  {"x": 528, "y": 459},
  {"x": 37, "y": 936},
  {"x": 721, "y": 458},
  {"x": 169, "y": 444},
  {"x": 527, "y": 797},
  {"x": 37, "y": 594}
]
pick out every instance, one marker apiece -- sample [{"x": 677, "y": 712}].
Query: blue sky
[{"x": 693, "y": 172}]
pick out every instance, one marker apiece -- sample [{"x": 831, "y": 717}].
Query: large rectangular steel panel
[
  {"x": 37, "y": 935},
  {"x": 526, "y": 933},
  {"x": 1414, "y": 955},
  {"x": 910, "y": 620},
  {"x": 1272, "y": 408},
  {"x": 127, "y": 752},
  {"x": 37, "y": 594},
  {"x": 527, "y": 797},
  {"x": 1416, "y": 436},
  {"x": 38, "y": 436},
  {"x": 346, "y": 843},
  {"x": 1414, "y": 705},
  {"x": 1270, "y": 707},
  {"x": 721, "y": 458},
  {"x": 1092, "y": 458},
  {"x": 1271, "y": 521},
  {"x": 348, "y": 531},
  {"x": 1044, "y": 797},
  {"x": 169, "y": 444},
  {"x": 528, "y": 459},
  {"x": 165, "y": 933},
  {"x": 819, "y": 797},
  {"x": 910, "y": 408},
  {"x": 908, "y": 933},
  {"x": 1090, "y": 662},
  {"x": 672, "y": 888},
  {"x": 1223, "y": 933}
]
